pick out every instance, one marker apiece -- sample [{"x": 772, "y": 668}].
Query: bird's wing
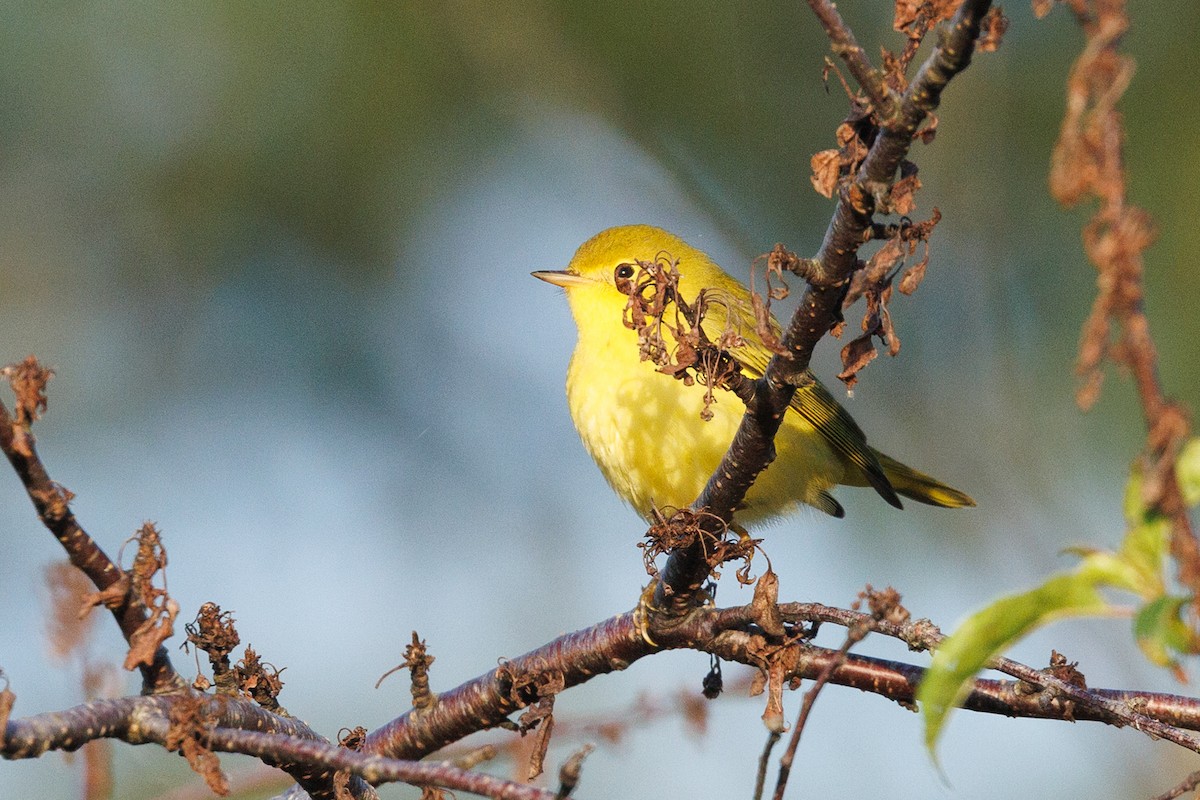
[
  {"x": 810, "y": 401},
  {"x": 815, "y": 404}
]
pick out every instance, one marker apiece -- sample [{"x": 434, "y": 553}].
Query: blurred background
[{"x": 278, "y": 257}]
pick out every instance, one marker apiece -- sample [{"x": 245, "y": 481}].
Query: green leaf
[
  {"x": 1136, "y": 567},
  {"x": 1187, "y": 470},
  {"x": 993, "y": 629},
  {"x": 1134, "y": 506},
  {"x": 1144, "y": 550},
  {"x": 1161, "y": 631}
]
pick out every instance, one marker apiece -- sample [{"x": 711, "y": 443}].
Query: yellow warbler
[{"x": 644, "y": 427}]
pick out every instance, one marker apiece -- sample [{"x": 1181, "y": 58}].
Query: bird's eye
[{"x": 622, "y": 277}]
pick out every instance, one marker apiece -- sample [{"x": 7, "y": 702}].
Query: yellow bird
[{"x": 644, "y": 428}]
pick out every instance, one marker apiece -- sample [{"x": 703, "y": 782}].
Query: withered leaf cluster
[
  {"x": 874, "y": 283},
  {"x": 191, "y": 723},
  {"x": 151, "y": 558},
  {"x": 676, "y": 528},
  {"x": 670, "y": 333}
]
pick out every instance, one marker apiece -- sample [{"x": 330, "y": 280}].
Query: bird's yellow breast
[{"x": 644, "y": 430}]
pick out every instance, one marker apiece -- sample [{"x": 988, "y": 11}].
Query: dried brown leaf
[
  {"x": 883, "y": 604},
  {"x": 1066, "y": 671},
  {"x": 541, "y": 740},
  {"x": 7, "y": 699},
  {"x": 875, "y": 274},
  {"x": 418, "y": 661},
  {"x": 893, "y": 70},
  {"x": 902, "y": 194},
  {"x": 825, "y": 167},
  {"x": 772, "y": 715},
  {"x": 991, "y": 30},
  {"x": 915, "y": 18},
  {"x": 855, "y": 357},
  {"x": 28, "y": 379},
  {"x": 150, "y": 560},
  {"x": 353, "y": 738},
  {"x": 845, "y": 134},
  {"x": 259, "y": 681},
  {"x": 758, "y": 683},
  {"x": 213, "y": 631},
  {"x": 766, "y": 604},
  {"x": 888, "y": 331},
  {"x": 189, "y": 727},
  {"x": 150, "y": 635},
  {"x": 114, "y": 596},
  {"x": 906, "y": 14},
  {"x": 764, "y": 325},
  {"x": 914, "y": 275}
]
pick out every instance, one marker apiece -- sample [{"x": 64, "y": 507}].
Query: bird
[{"x": 646, "y": 429}]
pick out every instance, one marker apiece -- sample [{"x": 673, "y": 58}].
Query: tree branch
[
  {"x": 52, "y": 500},
  {"x": 733, "y": 634},
  {"x": 241, "y": 727},
  {"x": 1089, "y": 161},
  {"x": 827, "y": 277},
  {"x": 846, "y": 47}
]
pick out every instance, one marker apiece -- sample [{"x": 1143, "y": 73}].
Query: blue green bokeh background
[{"x": 278, "y": 257}]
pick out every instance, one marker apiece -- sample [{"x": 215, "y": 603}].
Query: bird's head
[{"x": 597, "y": 281}]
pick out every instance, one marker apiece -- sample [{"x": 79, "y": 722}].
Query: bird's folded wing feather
[{"x": 814, "y": 404}]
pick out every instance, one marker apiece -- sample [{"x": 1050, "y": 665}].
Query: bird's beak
[{"x": 560, "y": 277}]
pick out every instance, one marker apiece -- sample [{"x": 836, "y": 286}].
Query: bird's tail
[{"x": 919, "y": 486}]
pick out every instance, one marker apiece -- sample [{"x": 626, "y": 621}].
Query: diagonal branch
[
  {"x": 52, "y": 503},
  {"x": 846, "y": 47},
  {"x": 827, "y": 277}
]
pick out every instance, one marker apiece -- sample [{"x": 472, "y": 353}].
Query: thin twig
[
  {"x": 764, "y": 760},
  {"x": 843, "y": 43},
  {"x": 52, "y": 501},
  {"x": 853, "y": 636},
  {"x": 1183, "y": 787},
  {"x": 1133, "y": 709}
]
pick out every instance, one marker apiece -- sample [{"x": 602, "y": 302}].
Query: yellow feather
[{"x": 644, "y": 428}]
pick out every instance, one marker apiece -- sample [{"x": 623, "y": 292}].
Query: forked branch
[{"x": 827, "y": 276}]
